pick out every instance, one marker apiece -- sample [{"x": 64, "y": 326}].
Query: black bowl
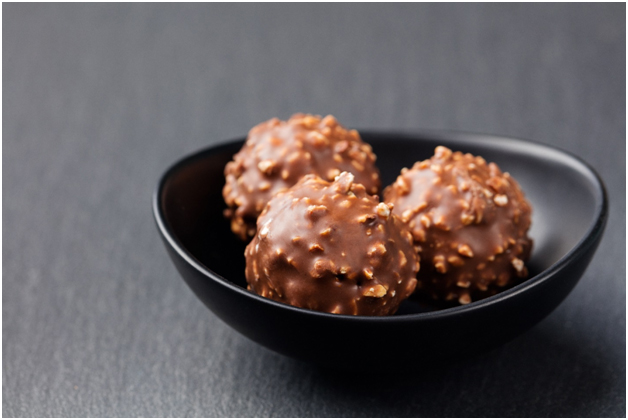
[{"x": 569, "y": 215}]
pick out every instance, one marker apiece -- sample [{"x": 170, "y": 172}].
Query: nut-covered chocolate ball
[
  {"x": 469, "y": 222},
  {"x": 278, "y": 153},
  {"x": 331, "y": 247}
]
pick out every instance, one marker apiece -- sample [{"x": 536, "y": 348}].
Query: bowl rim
[{"x": 529, "y": 147}]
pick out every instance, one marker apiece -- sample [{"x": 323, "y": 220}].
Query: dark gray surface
[{"x": 99, "y": 99}]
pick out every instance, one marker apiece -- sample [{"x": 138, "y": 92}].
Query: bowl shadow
[{"x": 541, "y": 373}]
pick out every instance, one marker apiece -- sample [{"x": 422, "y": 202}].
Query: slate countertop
[{"x": 99, "y": 99}]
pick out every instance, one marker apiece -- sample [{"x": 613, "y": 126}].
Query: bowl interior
[{"x": 565, "y": 196}]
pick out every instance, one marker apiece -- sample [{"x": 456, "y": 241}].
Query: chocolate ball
[
  {"x": 278, "y": 153},
  {"x": 469, "y": 222},
  {"x": 331, "y": 247}
]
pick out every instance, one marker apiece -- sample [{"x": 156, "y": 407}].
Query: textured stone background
[{"x": 99, "y": 99}]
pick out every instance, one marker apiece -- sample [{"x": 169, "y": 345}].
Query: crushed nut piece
[
  {"x": 378, "y": 249},
  {"x": 316, "y": 212},
  {"x": 440, "y": 267},
  {"x": 266, "y": 166},
  {"x": 316, "y": 247},
  {"x": 442, "y": 152},
  {"x": 367, "y": 218},
  {"x": 332, "y": 174},
  {"x": 501, "y": 200},
  {"x": 406, "y": 215},
  {"x": 455, "y": 260},
  {"x": 463, "y": 283},
  {"x": 437, "y": 169},
  {"x": 465, "y": 250},
  {"x": 376, "y": 291},
  {"x": 467, "y": 219},
  {"x": 518, "y": 264},
  {"x": 402, "y": 185},
  {"x": 464, "y": 299},
  {"x": 357, "y": 165},
  {"x": 383, "y": 210},
  {"x": 264, "y": 186},
  {"x": 344, "y": 182},
  {"x": 402, "y": 259},
  {"x": 440, "y": 223}
]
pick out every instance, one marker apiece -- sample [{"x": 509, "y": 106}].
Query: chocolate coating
[
  {"x": 278, "y": 153},
  {"x": 331, "y": 247},
  {"x": 469, "y": 222}
]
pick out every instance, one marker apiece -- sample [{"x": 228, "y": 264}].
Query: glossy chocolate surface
[
  {"x": 332, "y": 247},
  {"x": 278, "y": 153},
  {"x": 469, "y": 221}
]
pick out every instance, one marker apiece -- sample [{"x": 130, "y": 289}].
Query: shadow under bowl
[{"x": 569, "y": 215}]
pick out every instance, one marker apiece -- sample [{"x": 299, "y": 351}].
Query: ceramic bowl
[{"x": 569, "y": 215}]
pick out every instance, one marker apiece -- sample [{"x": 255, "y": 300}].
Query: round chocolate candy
[
  {"x": 332, "y": 247},
  {"x": 278, "y": 153},
  {"x": 469, "y": 222}
]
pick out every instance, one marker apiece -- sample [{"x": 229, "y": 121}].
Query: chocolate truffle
[
  {"x": 469, "y": 222},
  {"x": 278, "y": 153},
  {"x": 331, "y": 247}
]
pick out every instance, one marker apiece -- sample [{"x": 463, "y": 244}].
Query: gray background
[{"x": 99, "y": 99}]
